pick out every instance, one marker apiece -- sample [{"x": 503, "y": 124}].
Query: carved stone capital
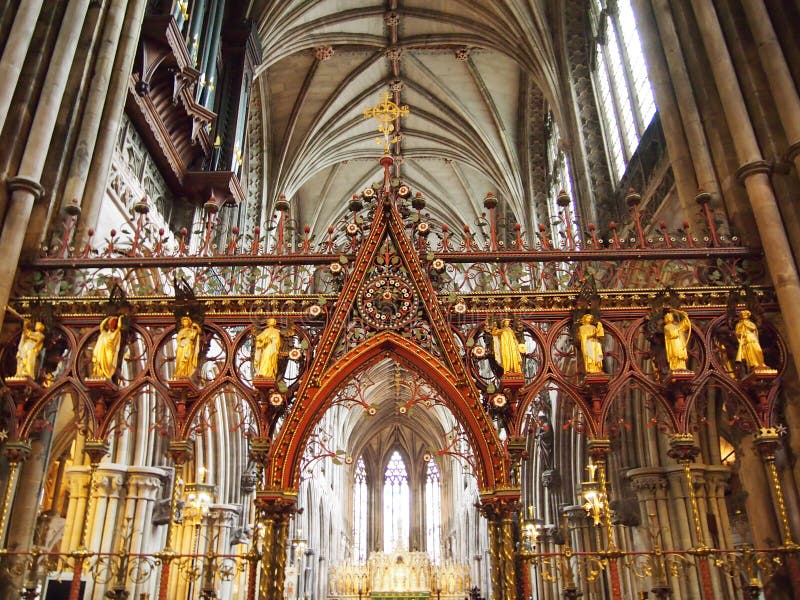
[
  {"x": 17, "y": 451},
  {"x": 648, "y": 483}
]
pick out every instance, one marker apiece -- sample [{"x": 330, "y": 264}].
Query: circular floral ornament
[
  {"x": 275, "y": 399},
  {"x": 315, "y": 310},
  {"x": 423, "y": 228},
  {"x": 372, "y": 411},
  {"x": 387, "y": 302},
  {"x": 438, "y": 264},
  {"x": 351, "y": 229},
  {"x": 402, "y": 410},
  {"x": 295, "y": 354},
  {"x": 479, "y": 352},
  {"x": 348, "y": 460},
  {"x": 427, "y": 457},
  {"x": 499, "y": 400},
  {"x": 460, "y": 308},
  {"x": 336, "y": 268}
]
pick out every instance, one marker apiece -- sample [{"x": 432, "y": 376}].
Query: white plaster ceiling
[{"x": 466, "y": 133}]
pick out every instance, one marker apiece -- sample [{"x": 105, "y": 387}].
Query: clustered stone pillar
[
  {"x": 754, "y": 173},
  {"x": 15, "y": 453},
  {"x": 16, "y": 48},
  {"x": 25, "y": 187}
]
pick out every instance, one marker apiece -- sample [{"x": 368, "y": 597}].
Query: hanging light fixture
[
  {"x": 531, "y": 530},
  {"x": 594, "y": 498},
  {"x": 199, "y": 497}
]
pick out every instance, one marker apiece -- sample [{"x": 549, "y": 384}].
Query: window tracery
[
  {"x": 360, "y": 512},
  {"x": 433, "y": 511},
  {"x": 622, "y": 87},
  {"x": 396, "y": 505}
]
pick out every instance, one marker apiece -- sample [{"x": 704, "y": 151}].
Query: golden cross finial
[{"x": 386, "y": 112}]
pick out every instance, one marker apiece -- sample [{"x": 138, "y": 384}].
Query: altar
[
  {"x": 399, "y": 595},
  {"x": 398, "y": 575}
]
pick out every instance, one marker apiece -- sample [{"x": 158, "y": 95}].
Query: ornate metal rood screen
[{"x": 494, "y": 318}]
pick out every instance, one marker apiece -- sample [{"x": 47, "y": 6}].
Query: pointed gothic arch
[{"x": 284, "y": 463}]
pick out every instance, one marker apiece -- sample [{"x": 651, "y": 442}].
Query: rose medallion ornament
[{"x": 388, "y": 302}]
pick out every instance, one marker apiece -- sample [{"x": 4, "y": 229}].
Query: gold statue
[
  {"x": 749, "y": 351},
  {"x": 268, "y": 345},
  {"x": 106, "y": 350},
  {"x": 676, "y": 339},
  {"x": 506, "y": 348},
  {"x": 30, "y": 345},
  {"x": 188, "y": 350},
  {"x": 591, "y": 346}
]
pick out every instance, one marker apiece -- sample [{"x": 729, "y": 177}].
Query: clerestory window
[{"x": 622, "y": 87}]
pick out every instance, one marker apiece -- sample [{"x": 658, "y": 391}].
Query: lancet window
[
  {"x": 433, "y": 511},
  {"x": 622, "y": 88},
  {"x": 396, "y": 504},
  {"x": 360, "y": 512}
]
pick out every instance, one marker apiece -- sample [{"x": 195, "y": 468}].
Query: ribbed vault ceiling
[
  {"x": 464, "y": 68},
  {"x": 402, "y": 411}
]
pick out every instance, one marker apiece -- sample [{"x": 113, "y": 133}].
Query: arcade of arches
[{"x": 343, "y": 299}]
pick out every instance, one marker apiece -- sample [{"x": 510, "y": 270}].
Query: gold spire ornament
[{"x": 386, "y": 112}]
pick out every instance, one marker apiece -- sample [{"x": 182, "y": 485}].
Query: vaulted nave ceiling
[{"x": 465, "y": 69}]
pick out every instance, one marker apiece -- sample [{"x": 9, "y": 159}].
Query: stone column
[
  {"x": 754, "y": 172},
  {"x": 15, "y": 452},
  {"x": 93, "y": 109},
  {"x": 686, "y": 102},
  {"x": 16, "y": 48},
  {"x": 97, "y": 178},
  {"x": 669, "y": 113},
  {"x": 651, "y": 487},
  {"x": 25, "y": 187},
  {"x": 103, "y": 523},
  {"x": 143, "y": 487},
  {"x": 779, "y": 78},
  {"x": 78, "y": 484},
  {"x": 223, "y": 518},
  {"x": 24, "y": 510}
]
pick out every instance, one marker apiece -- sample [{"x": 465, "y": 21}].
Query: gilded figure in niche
[
  {"x": 676, "y": 339},
  {"x": 591, "y": 334},
  {"x": 750, "y": 351},
  {"x": 268, "y": 345},
  {"x": 105, "y": 355},
  {"x": 30, "y": 345},
  {"x": 506, "y": 347},
  {"x": 188, "y": 350}
]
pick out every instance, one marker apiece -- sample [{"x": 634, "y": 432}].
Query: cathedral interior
[{"x": 399, "y": 299}]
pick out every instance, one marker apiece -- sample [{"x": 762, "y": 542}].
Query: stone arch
[{"x": 283, "y": 468}]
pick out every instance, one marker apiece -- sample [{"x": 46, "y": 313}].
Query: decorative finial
[{"x": 386, "y": 112}]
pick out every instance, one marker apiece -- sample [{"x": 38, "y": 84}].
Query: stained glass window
[
  {"x": 396, "y": 505},
  {"x": 360, "y": 512},
  {"x": 433, "y": 511},
  {"x": 622, "y": 87}
]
